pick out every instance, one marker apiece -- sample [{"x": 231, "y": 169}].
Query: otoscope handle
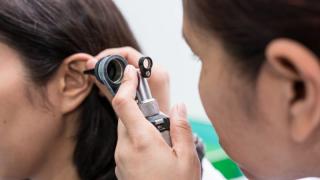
[
  {"x": 147, "y": 104},
  {"x": 150, "y": 110},
  {"x": 162, "y": 123}
]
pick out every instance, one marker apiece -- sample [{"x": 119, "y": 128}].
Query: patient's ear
[
  {"x": 299, "y": 66},
  {"x": 74, "y": 86}
]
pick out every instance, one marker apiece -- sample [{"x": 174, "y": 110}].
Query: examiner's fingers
[
  {"x": 123, "y": 140},
  {"x": 181, "y": 133},
  {"x": 125, "y": 105},
  {"x": 159, "y": 81},
  {"x": 91, "y": 63},
  {"x": 122, "y": 132},
  {"x": 129, "y": 53}
]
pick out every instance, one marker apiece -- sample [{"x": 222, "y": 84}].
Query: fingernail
[
  {"x": 129, "y": 69},
  {"x": 180, "y": 111}
]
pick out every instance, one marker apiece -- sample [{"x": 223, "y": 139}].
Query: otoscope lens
[{"x": 114, "y": 71}]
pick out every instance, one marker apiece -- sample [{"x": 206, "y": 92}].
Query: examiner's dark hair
[
  {"x": 246, "y": 27},
  {"x": 45, "y": 32}
]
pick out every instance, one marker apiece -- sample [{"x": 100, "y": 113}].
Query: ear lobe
[
  {"x": 298, "y": 65},
  {"x": 74, "y": 85}
]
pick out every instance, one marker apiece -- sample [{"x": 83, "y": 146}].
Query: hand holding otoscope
[{"x": 110, "y": 71}]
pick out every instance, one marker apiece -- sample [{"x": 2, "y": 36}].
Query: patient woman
[{"x": 54, "y": 124}]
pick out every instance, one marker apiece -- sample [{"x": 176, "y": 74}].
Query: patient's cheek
[
  {"x": 12, "y": 114},
  {"x": 27, "y": 131}
]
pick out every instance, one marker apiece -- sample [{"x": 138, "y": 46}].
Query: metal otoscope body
[{"x": 110, "y": 70}]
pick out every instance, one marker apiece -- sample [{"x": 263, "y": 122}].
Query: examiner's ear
[
  {"x": 74, "y": 86},
  {"x": 299, "y": 66}
]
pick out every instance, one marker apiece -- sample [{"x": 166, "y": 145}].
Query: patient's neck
[{"x": 58, "y": 162}]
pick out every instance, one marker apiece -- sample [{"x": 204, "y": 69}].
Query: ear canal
[
  {"x": 299, "y": 91},
  {"x": 89, "y": 72}
]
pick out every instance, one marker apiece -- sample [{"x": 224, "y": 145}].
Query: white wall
[{"x": 157, "y": 25}]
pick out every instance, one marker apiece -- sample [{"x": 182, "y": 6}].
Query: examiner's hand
[
  {"x": 159, "y": 81},
  {"x": 141, "y": 152}
]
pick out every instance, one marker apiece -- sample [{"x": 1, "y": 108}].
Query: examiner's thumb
[{"x": 181, "y": 133}]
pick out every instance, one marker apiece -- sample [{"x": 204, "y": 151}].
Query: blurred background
[{"x": 158, "y": 27}]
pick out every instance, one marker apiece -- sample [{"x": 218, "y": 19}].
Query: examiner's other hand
[
  {"x": 141, "y": 152},
  {"x": 158, "y": 82}
]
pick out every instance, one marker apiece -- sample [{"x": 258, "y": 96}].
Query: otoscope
[{"x": 110, "y": 71}]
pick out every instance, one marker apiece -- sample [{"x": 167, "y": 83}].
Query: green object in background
[
  {"x": 214, "y": 152},
  {"x": 228, "y": 168}
]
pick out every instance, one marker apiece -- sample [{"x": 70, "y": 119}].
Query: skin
[
  {"x": 137, "y": 136},
  {"x": 38, "y": 124},
  {"x": 277, "y": 142},
  {"x": 269, "y": 126},
  {"x": 159, "y": 82},
  {"x": 37, "y": 134}
]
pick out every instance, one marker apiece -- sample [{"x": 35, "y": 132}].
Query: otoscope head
[{"x": 110, "y": 71}]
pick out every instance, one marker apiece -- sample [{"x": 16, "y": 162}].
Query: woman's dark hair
[
  {"x": 45, "y": 32},
  {"x": 246, "y": 27}
]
